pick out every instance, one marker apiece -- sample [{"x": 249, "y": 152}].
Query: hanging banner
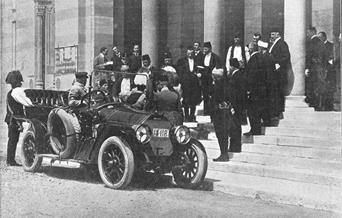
[{"x": 66, "y": 59}]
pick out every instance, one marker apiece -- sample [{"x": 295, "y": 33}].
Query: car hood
[{"x": 123, "y": 115}]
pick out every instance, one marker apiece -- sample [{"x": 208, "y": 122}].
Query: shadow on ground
[{"x": 141, "y": 181}]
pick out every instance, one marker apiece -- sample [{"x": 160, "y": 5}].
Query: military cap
[
  {"x": 14, "y": 77},
  {"x": 234, "y": 63},
  {"x": 81, "y": 74},
  {"x": 207, "y": 44}
]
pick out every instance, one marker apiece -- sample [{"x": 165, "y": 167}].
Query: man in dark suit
[
  {"x": 272, "y": 87},
  {"x": 280, "y": 53},
  {"x": 328, "y": 98},
  {"x": 134, "y": 61},
  {"x": 315, "y": 69},
  {"x": 219, "y": 112},
  {"x": 236, "y": 95},
  {"x": 210, "y": 61},
  {"x": 256, "y": 75},
  {"x": 198, "y": 54},
  {"x": 117, "y": 63},
  {"x": 186, "y": 69},
  {"x": 168, "y": 102}
]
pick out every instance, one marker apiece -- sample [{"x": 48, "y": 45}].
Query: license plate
[{"x": 161, "y": 133}]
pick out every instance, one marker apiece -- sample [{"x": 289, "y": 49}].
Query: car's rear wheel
[
  {"x": 116, "y": 163},
  {"x": 30, "y": 159},
  {"x": 195, "y": 163}
]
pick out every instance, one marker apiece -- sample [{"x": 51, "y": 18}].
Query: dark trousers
[
  {"x": 205, "y": 85},
  {"x": 226, "y": 125},
  {"x": 189, "y": 114},
  {"x": 13, "y": 138},
  {"x": 257, "y": 112}
]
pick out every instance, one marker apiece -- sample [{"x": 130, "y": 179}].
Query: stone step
[
  {"x": 286, "y": 151},
  {"x": 298, "y": 142},
  {"x": 279, "y": 161},
  {"x": 309, "y": 123},
  {"x": 299, "y": 109},
  {"x": 286, "y": 173},
  {"x": 304, "y": 132},
  {"x": 277, "y": 190},
  {"x": 317, "y": 115}
]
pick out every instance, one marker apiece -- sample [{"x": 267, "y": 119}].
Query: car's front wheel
[
  {"x": 116, "y": 163},
  {"x": 194, "y": 164},
  {"x": 30, "y": 159}
]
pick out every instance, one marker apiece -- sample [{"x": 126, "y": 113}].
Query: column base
[{"x": 295, "y": 101}]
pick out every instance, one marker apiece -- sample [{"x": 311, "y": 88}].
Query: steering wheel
[{"x": 96, "y": 97}]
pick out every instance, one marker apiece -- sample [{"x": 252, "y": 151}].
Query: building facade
[{"x": 48, "y": 40}]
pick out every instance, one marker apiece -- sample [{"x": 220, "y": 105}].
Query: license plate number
[{"x": 161, "y": 133}]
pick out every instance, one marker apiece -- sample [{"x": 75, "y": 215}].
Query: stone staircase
[{"x": 299, "y": 162}]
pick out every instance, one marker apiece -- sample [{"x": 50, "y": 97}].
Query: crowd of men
[{"x": 252, "y": 81}]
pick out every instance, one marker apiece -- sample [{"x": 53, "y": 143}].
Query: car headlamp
[
  {"x": 143, "y": 134},
  {"x": 182, "y": 134}
]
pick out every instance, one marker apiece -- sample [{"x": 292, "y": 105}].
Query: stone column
[
  {"x": 214, "y": 25},
  {"x": 150, "y": 30},
  {"x": 39, "y": 21},
  {"x": 295, "y": 36}
]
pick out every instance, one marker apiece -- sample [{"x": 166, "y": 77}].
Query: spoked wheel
[
  {"x": 30, "y": 159},
  {"x": 194, "y": 164},
  {"x": 116, "y": 163}
]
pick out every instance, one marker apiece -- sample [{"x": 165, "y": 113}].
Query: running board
[{"x": 55, "y": 160}]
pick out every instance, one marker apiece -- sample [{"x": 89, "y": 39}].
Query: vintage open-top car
[{"x": 115, "y": 138}]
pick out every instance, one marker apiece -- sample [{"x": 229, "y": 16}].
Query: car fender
[
  {"x": 41, "y": 135},
  {"x": 105, "y": 132},
  {"x": 198, "y": 143}
]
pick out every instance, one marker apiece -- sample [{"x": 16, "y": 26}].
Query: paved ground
[{"x": 63, "y": 192}]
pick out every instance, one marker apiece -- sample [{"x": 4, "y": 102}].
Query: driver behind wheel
[{"x": 76, "y": 93}]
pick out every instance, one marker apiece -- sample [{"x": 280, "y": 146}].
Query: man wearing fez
[
  {"x": 210, "y": 61},
  {"x": 16, "y": 99},
  {"x": 186, "y": 69},
  {"x": 280, "y": 54},
  {"x": 198, "y": 54},
  {"x": 256, "y": 75},
  {"x": 238, "y": 51}
]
